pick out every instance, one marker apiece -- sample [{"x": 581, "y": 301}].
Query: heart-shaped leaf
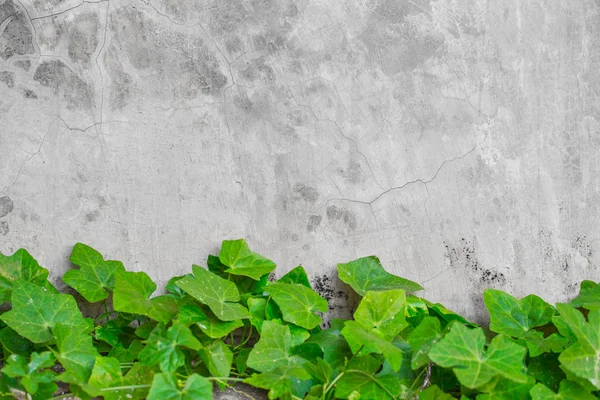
[
  {"x": 298, "y": 303},
  {"x": 236, "y": 255}
]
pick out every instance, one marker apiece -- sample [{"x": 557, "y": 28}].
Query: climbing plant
[{"x": 228, "y": 325}]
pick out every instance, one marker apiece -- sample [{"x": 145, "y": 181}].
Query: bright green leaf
[
  {"x": 95, "y": 276},
  {"x": 382, "y": 312},
  {"x": 363, "y": 342},
  {"x": 207, "y": 321},
  {"x": 462, "y": 349},
  {"x": 132, "y": 295},
  {"x": 583, "y": 357},
  {"x": 297, "y": 275},
  {"x": 537, "y": 344},
  {"x": 36, "y": 310},
  {"x": 75, "y": 351},
  {"x": 273, "y": 348},
  {"x": 242, "y": 261},
  {"x": 422, "y": 338},
  {"x": 504, "y": 389},
  {"x": 434, "y": 393},
  {"x": 218, "y": 358},
  {"x": 589, "y": 296},
  {"x": 168, "y": 387},
  {"x": 220, "y": 295},
  {"x": 568, "y": 391},
  {"x": 21, "y": 266},
  {"x": 109, "y": 332},
  {"x": 367, "y": 274},
  {"x": 370, "y": 387},
  {"x": 164, "y": 347},
  {"x": 126, "y": 355},
  {"x": 298, "y": 303},
  {"x": 281, "y": 382},
  {"x": 245, "y": 284},
  {"x": 514, "y": 317}
]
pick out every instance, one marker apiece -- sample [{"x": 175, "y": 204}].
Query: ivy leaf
[
  {"x": 13, "y": 343},
  {"x": 29, "y": 372},
  {"x": 21, "y": 266},
  {"x": 589, "y": 296},
  {"x": 95, "y": 276},
  {"x": 504, "y": 389},
  {"x": 367, "y": 274},
  {"x": 514, "y": 317},
  {"x": 241, "y": 261},
  {"x": 106, "y": 374},
  {"x": 382, "y": 312},
  {"x": 297, "y": 275},
  {"x": 126, "y": 355},
  {"x": 367, "y": 386},
  {"x": 462, "y": 349},
  {"x": 163, "y": 347},
  {"x": 583, "y": 357},
  {"x": 207, "y": 321},
  {"x": 132, "y": 295},
  {"x": 282, "y": 382},
  {"x": 537, "y": 344},
  {"x": 245, "y": 284},
  {"x": 335, "y": 348},
  {"x": 168, "y": 387},
  {"x": 363, "y": 342},
  {"x": 422, "y": 338},
  {"x": 298, "y": 303},
  {"x": 218, "y": 358},
  {"x": 273, "y": 348},
  {"x": 36, "y": 310},
  {"x": 434, "y": 393},
  {"x": 109, "y": 332},
  {"x": 546, "y": 369},
  {"x": 220, "y": 295},
  {"x": 75, "y": 351},
  {"x": 568, "y": 391}
]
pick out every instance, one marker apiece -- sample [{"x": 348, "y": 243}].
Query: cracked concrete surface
[{"x": 458, "y": 141}]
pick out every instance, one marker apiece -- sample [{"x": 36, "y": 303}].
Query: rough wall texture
[{"x": 458, "y": 140}]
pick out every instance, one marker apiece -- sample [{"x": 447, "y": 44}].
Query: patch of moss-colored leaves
[{"x": 233, "y": 323}]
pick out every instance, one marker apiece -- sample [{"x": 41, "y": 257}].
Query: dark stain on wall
[
  {"x": 16, "y": 34},
  {"x": 306, "y": 193},
  {"x": 8, "y": 77},
  {"x": 56, "y": 75},
  {"x": 4, "y": 229},
  {"x": 313, "y": 223},
  {"x": 335, "y": 214},
  {"x": 82, "y": 37},
  {"x": 340, "y": 297},
  {"x": 6, "y": 206},
  {"x": 23, "y": 64}
]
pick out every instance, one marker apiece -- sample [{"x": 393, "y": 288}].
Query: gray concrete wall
[{"x": 457, "y": 140}]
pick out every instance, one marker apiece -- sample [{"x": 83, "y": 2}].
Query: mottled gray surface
[{"x": 457, "y": 140}]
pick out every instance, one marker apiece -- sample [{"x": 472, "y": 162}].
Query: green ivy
[{"x": 227, "y": 324}]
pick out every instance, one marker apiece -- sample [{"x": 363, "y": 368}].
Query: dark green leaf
[
  {"x": 95, "y": 276},
  {"x": 298, "y": 276},
  {"x": 126, "y": 355},
  {"x": 13, "y": 343},
  {"x": 236, "y": 255},
  {"x": 505, "y": 389},
  {"x": 298, "y": 303},
  {"x": 168, "y": 387},
  {"x": 220, "y": 295},
  {"x": 109, "y": 332},
  {"x": 36, "y": 310},
  {"x": 32, "y": 373},
  {"x": 382, "y": 312},
  {"x": 463, "y": 350},
  {"x": 546, "y": 369},
  {"x": 367, "y": 274},
  {"x": 335, "y": 348},
  {"x": 514, "y": 317}
]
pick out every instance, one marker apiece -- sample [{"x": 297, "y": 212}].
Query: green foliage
[{"x": 229, "y": 323}]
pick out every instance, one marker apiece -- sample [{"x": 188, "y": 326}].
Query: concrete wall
[{"x": 456, "y": 139}]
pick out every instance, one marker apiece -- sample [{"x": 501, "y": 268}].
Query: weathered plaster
[{"x": 457, "y": 140}]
